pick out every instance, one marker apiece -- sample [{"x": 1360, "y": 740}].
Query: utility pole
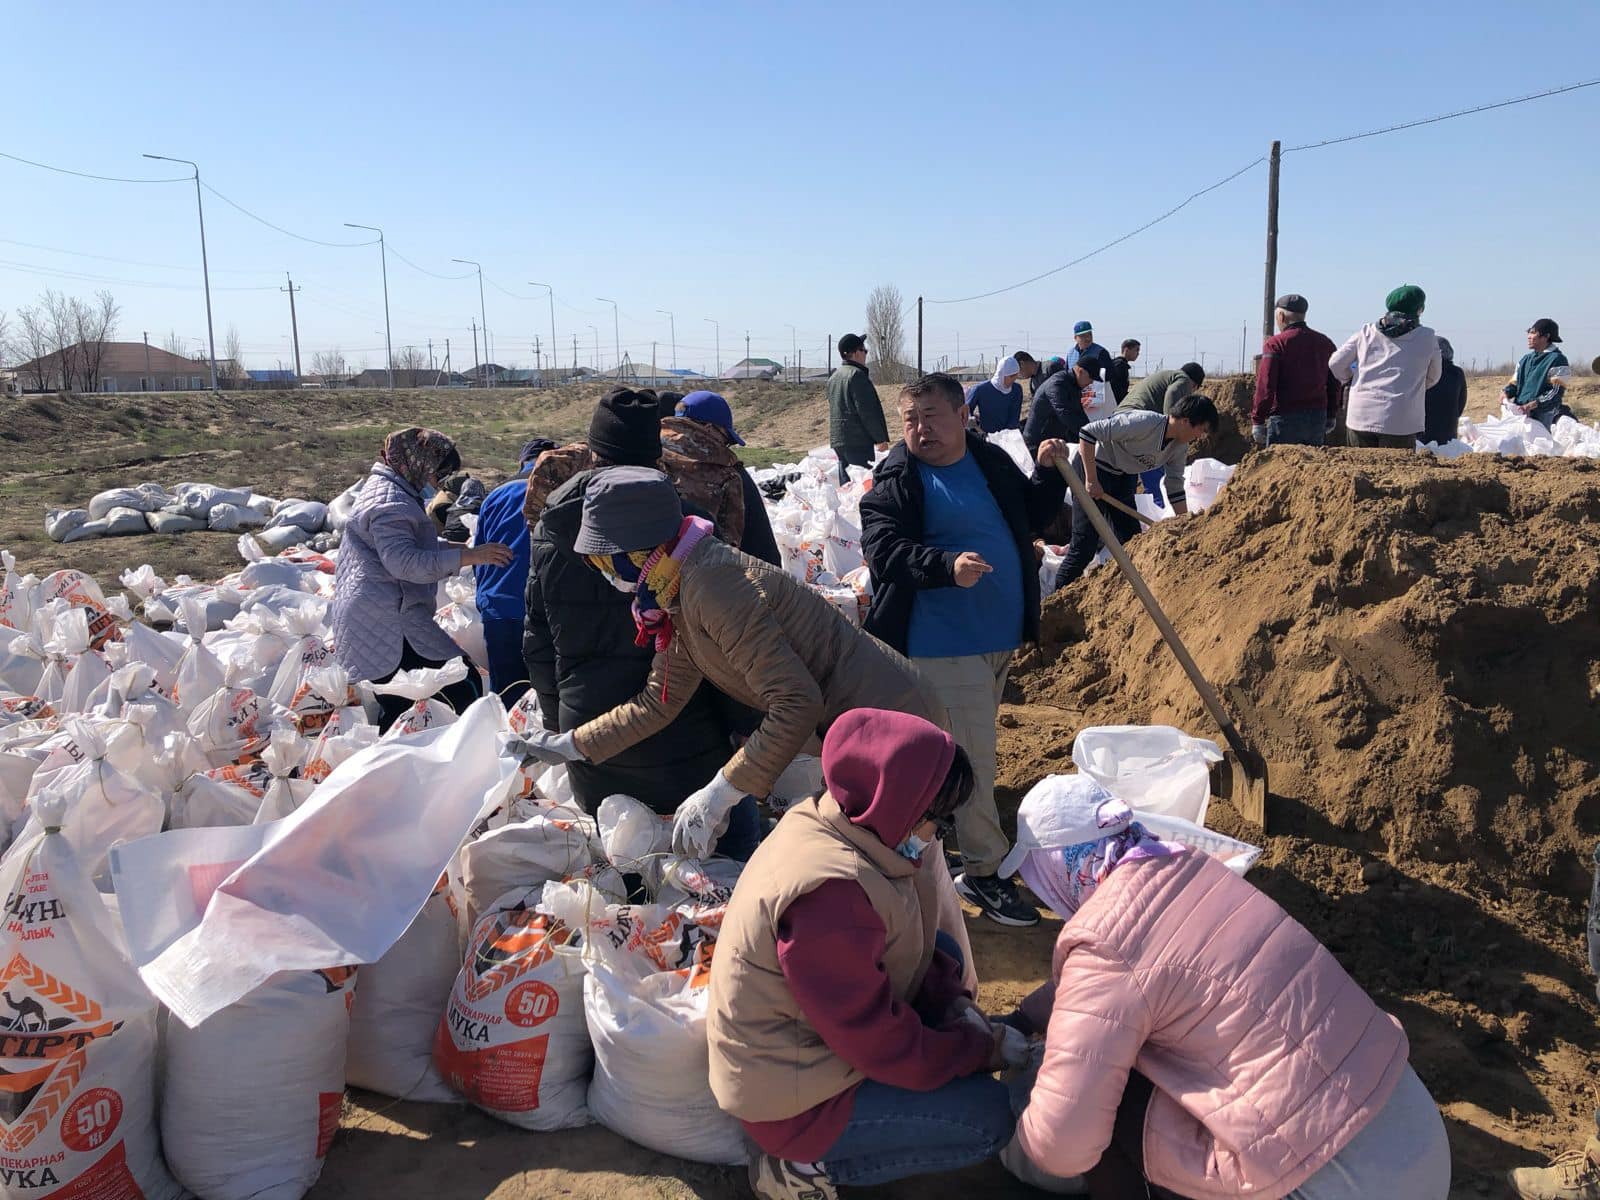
[
  {"x": 538, "y": 359},
  {"x": 958, "y": 349},
  {"x": 799, "y": 373},
  {"x": 652, "y": 364},
  {"x": 747, "y": 351},
  {"x": 596, "y": 360},
  {"x": 719, "y": 343},
  {"x": 294, "y": 324},
  {"x": 919, "y": 335},
  {"x": 205, "y": 268},
  {"x": 830, "y": 354},
  {"x": 146, "y": 386},
  {"x": 672, "y": 324},
  {"x": 1269, "y": 298},
  {"x": 574, "y": 355},
  {"x": 447, "y": 356},
  {"x": 475, "y": 363},
  {"x": 616, "y": 331},
  {"x": 794, "y": 348},
  {"x": 431, "y": 367},
  {"x": 383, "y": 257},
  {"x": 482, "y": 312},
  {"x": 1244, "y": 332}
]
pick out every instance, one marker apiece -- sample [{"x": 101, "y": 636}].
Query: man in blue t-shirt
[
  {"x": 947, "y": 530},
  {"x": 500, "y": 598}
]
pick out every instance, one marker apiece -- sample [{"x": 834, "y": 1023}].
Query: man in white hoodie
[{"x": 1390, "y": 366}]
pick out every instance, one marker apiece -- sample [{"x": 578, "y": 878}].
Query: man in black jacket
[
  {"x": 1057, "y": 409},
  {"x": 855, "y": 417},
  {"x": 1119, "y": 372},
  {"x": 579, "y": 639},
  {"x": 947, "y": 529}
]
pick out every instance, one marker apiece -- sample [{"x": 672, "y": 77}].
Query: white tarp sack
[
  {"x": 233, "y": 518},
  {"x": 645, "y": 999},
  {"x": 87, "y": 531},
  {"x": 162, "y": 654},
  {"x": 1237, "y": 856},
  {"x": 78, "y": 1044},
  {"x": 1151, "y": 768},
  {"x": 17, "y": 595},
  {"x": 460, "y": 619},
  {"x": 59, "y": 523},
  {"x": 513, "y": 1040},
  {"x": 198, "y": 499},
  {"x": 274, "y": 541},
  {"x": 1010, "y": 440},
  {"x": 420, "y": 686},
  {"x": 347, "y": 733},
  {"x": 549, "y": 846},
  {"x": 396, "y": 1017},
  {"x": 120, "y": 522},
  {"x": 359, "y": 859},
  {"x": 309, "y": 515},
  {"x": 1203, "y": 479},
  {"x": 163, "y": 521},
  {"x": 147, "y": 497}
]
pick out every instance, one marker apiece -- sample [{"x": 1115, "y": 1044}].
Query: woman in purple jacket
[{"x": 390, "y": 563}]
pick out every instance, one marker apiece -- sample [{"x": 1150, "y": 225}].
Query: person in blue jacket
[{"x": 501, "y": 589}]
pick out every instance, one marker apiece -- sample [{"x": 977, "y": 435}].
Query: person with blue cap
[
  {"x": 697, "y": 451},
  {"x": 1084, "y": 346}
]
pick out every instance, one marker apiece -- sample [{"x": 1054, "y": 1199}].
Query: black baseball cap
[
  {"x": 1293, "y": 302},
  {"x": 1545, "y": 327},
  {"x": 851, "y": 342}
]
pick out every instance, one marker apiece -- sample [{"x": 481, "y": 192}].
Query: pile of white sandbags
[
  {"x": 1515, "y": 433},
  {"x": 817, "y": 525},
  {"x": 194, "y": 507}
]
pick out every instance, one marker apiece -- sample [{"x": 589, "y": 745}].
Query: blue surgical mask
[{"x": 913, "y": 847}]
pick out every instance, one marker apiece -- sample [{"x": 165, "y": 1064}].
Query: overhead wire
[
  {"x": 299, "y": 237},
  {"x": 424, "y": 270},
  {"x": 87, "y": 175}
]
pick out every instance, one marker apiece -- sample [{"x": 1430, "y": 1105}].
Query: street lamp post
[
  {"x": 719, "y": 345},
  {"x": 383, "y": 257},
  {"x": 794, "y": 351},
  {"x": 596, "y": 332},
  {"x": 205, "y": 268},
  {"x": 482, "y": 315},
  {"x": 616, "y": 331},
  {"x": 672, "y": 324},
  {"x": 552, "y": 292}
]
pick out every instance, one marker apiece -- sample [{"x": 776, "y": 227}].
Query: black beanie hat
[{"x": 626, "y": 428}]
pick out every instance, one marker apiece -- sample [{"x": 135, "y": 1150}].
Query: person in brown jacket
[{"x": 754, "y": 631}]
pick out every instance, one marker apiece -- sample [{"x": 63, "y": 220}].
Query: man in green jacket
[
  {"x": 1160, "y": 390},
  {"x": 855, "y": 415}
]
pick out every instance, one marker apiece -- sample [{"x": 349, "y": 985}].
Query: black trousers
[
  {"x": 1119, "y": 1175},
  {"x": 1085, "y": 538},
  {"x": 458, "y": 695}
]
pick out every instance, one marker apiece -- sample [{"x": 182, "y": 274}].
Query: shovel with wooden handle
[{"x": 1243, "y": 777}]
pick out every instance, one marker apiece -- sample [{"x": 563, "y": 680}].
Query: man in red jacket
[{"x": 1297, "y": 397}]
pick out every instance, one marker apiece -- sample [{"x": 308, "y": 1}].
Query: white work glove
[
  {"x": 702, "y": 817},
  {"x": 548, "y": 747},
  {"x": 1258, "y": 434}
]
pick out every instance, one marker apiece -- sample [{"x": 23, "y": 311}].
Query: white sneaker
[{"x": 776, "y": 1179}]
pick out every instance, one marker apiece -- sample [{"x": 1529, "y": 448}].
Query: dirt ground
[{"x": 1478, "y": 951}]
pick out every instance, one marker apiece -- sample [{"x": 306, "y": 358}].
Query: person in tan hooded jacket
[{"x": 838, "y": 1030}]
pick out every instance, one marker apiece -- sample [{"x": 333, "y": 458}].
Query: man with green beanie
[{"x": 1390, "y": 365}]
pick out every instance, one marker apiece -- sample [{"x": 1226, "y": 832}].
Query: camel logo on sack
[{"x": 46, "y": 1029}]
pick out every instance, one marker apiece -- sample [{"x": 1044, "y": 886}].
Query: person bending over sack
[
  {"x": 1199, "y": 1038},
  {"x": 839, "y": 1034},
  {"x": 390, "y": 565}
]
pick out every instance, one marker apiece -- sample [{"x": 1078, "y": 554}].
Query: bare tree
[
  {"x": 5, "y": 337},
  {"x": 32, "y": 345},
  {"x": 94, "y": 325},
  {"x": 232, "y": 365},
  {"x": 328, "y": 363},
  {"x": 886, "y": 333},
  {"x": 173, "y": 344},
  {"x": 60, "y": 319}
]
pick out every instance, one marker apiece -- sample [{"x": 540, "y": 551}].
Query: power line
[
  {"x": 1450, "y": 116},
  {"x": 1174, "y": 210},
  {"x": 424, "y": 270},
  {"x": 86, "y": 174},
  {"x": 130, "y": 262},
  {"x": 286, "y": 232},
  {"x": 23, "y": 268}
]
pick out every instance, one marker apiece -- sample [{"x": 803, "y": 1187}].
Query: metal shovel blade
[{"x": 1241, "y": 779}]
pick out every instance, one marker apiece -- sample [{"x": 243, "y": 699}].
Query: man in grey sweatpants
[{"x": 1114, "y": 451}]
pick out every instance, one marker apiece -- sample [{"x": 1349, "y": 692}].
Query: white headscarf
[{"x": 1007, "y": 366}]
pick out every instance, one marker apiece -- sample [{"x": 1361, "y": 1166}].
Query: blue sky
[{"x": 768, "y": 165}]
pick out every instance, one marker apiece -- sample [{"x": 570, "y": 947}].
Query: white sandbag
[
  {"x": 460, "y": 619},
  {"x": 551, "y": 845},
  {"x": 229, "y": 725},
  {"x": 1152, "y": 768},
  {"x": 513, "y": 1039},
  {"x": 1237, "y": 856},
  {"x": 309, "y": 681},
  {"x": 1203, "y": 479},
  {"x": 420, "y": 686},
  {"x": 262, "y": 506},
  {"x": 396, "y": 1015},
  {"x": 800, "y": 779},
  {"x": 233, "y": 518},
  {"x": 360, "y": 858},
  {"x": 273, "y": 541},
  {"x": 79, "y": 1045},
  {"x": 251, "y": 1096},
  {"x": 346, "y": 733},
  {"x": 163, "y": 521},
  {"x": 1010, "y": 440},
  {"x": 198, "y": 499},
  {"x": 284, "y": 755},
  {"x": 633, "y": 836},
  {"x": 88, "y": 531},
  {"x": 142, "y": 499},
  {"x": 121, "y": 522},
  {"x": 342, "y": 506},
  {"x": 205, "y": 801},
  {"x": 309, "y": 515},
  {"x": 59, "y": 522},
  {"x": 268, "y": 572},
  {"x": 17, "y": 595},
  {"x": 163, "y": 654}
]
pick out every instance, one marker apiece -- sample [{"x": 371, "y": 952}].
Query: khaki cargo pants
[{"x": 970, "y": 687}]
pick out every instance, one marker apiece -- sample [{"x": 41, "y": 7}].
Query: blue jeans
[
  {"x": 894, "y": 1133},
  {"x": 508, "y": 672},
  {"x": 743, "y": 835},
  {"x": 1297, "y": 429}
]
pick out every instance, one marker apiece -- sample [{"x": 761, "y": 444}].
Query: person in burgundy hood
[{"x": 838, "y": 1029}]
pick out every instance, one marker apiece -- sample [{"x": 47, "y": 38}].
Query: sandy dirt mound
[{"x": 1414, "y": 645}]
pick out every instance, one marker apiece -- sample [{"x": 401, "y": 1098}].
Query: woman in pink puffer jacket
[{"x": 1261, "y": 1067}]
